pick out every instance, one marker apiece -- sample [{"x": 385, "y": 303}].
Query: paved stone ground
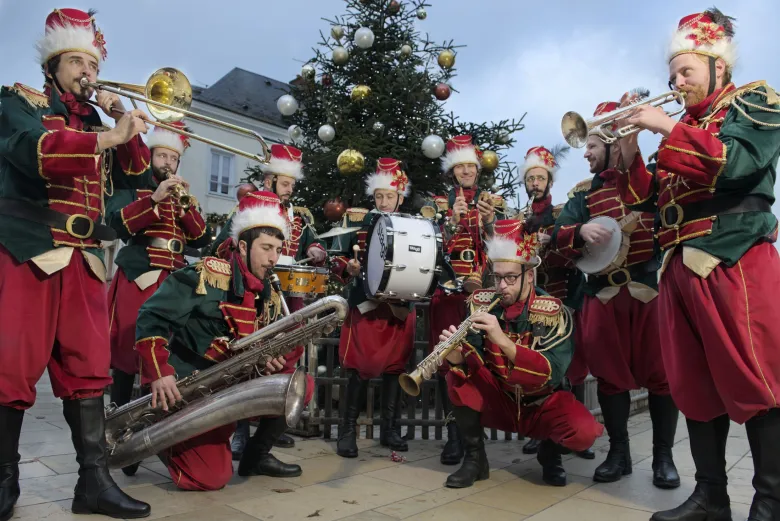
[{"x": 374, "y": 488}]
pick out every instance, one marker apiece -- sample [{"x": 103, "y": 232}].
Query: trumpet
[
  {"x": 429, "y": 365},
  {"x": 178, "y": 191},
  {"x": 168, "y": 96},
  {"x": 576, "y": 129}
]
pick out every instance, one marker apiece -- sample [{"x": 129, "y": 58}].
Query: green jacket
[{"x": 188, "y": 322}]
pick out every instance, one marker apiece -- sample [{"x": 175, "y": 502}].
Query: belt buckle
[
  {"x": 678, "y": 213},
  {"x": 624, "y": 272},
  {"x": 72, "y": 223},
  {"x": 175, "y": 246},
  {"x": 468, "y": 255}
]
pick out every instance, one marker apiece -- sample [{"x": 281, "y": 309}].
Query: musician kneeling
[
  {"x": 205, "y": 306},
  {"x": 509, "y": 376}
]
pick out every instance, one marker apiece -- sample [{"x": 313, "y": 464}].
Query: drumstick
[
  {"x": 304, "y": 261},
  {"x": 356, "y": 249}
]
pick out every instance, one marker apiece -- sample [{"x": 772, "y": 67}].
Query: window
[{"x": 221, "y": 180}]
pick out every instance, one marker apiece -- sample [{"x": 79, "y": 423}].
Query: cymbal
[{"x": 338, "y": 230}]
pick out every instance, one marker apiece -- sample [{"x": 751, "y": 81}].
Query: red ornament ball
[
  {"x": 334, "y": 209},
  {"x": 327, "y": 80},
  {"x": 442, "y": 91},
  {"x": 394, "y": 7},
  {"x": 244, "y": 189}
]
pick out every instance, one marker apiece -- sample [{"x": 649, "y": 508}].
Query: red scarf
[
  {"x": 539, "y": 207},
  {"x": 468, "y": 193},
  {"x": 252, "y": 283},
  {"x": 76, "y": 108},
  {"x": 513, "y": 311}
]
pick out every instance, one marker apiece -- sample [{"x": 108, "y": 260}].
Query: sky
[{"x": 543, "y": 58}]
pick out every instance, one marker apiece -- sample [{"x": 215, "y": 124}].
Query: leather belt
[
  {"x": 79, "y": 226},
  {"x": 673, "y": 214},
  {"x": 175, "y": 246},
  {"x": 623, "y": 276}
]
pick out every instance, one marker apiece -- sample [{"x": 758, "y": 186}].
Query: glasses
[{"x": 509, "y": 279}]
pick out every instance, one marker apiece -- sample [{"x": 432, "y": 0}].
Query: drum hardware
[
  {"x": 338, "y": 230},
  {"x": 428, "y": 270},
  {"x": 391, "y": 231}
]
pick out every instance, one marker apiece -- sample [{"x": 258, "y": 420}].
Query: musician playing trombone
[
  {"x": 186, "y": 326},
  {"x": 712, "y": 185},
  {"x": 556, "y": 275},
  {"x": 160, "y": 229},
  {"x": 619, "y": 335},
  {"x": 57, "y": 161},
  {"x": 508, "y": 375}
]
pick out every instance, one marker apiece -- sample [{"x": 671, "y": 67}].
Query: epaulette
[
  {"x": 214, "y": 272},
  {"x": 305, "y": 213},
  {"x": 557, "y": 209},
  {"x": 545, "y": 310},
  {"x": 35, "y": 98},
  {"x": 582, "y": 186},
  {"x": 356, "y": 215},
  {"x": 480, "y": 298},
  {"x": 754, "y": 87}
]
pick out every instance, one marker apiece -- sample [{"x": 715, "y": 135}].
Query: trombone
[
  {"x": 168, "y": 96},
  {"x": 576, "y": 129}
]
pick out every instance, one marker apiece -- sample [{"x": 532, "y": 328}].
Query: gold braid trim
[
  {"x": 560, "y": 330},
  {"x": 582, "y": 186},
  {"x": 308, "y": 218},
  {"x": 545, "y": 310},
  {"x": 34, "y": 98},
  {"x": 214, "y": 272},
  {"x": 356, "y": 215}
]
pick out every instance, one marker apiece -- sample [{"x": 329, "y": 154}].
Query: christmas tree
[{"x": 376, "y": 88}]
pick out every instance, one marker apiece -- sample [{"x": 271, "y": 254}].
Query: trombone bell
[{"x": 169, "y": 86}]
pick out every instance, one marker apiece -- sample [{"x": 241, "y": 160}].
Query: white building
[{"x": 241, "y": 98}]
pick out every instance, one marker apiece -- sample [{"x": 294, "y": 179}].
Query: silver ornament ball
[
  {"x": 295, "y": 132},
  {"x": 433, "y": 146},
  {"x": 503, "y": 138},
  {"x": 378, "y": 127},
  {"x": 287, "y": 105},
  {"x": 326, "y": 133},
  {"x": 422, "y": 14},
  {"x": 364, "y": 38},
  {"x": 308, "y": 71},
  {"x": 337, "y": 32},
  {"x": 406, "y": 50}
]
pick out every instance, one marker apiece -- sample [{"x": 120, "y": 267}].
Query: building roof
[{"x": 246, "y": 93}]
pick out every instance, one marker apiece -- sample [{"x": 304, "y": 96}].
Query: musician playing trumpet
[
  {"x": 508, "y": 375},
  {"x": 158, "y": 230},
  {"x": 187, "y": 325},
  {"x": 619, "y": 331},
  {"x": 556, "y": 275}
]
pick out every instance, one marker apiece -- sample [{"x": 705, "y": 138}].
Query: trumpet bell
[
  {"x": 170, "y": 87},
  {"x": 575, "y": 129}
]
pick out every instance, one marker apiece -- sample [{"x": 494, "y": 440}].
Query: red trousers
[
  {"x": 125, "y": 299},
  {"x": 205, "y": 461},
  {"x": 59, "y": 321},
  {"x": 721, "y": 336},
  {"x": 621, "y": 344},
  {"x": 578, "y": 368},
  {"x": 445, "y": 311},
  {"x": 376, "y": 342},
  {"x": 560, "y": 417}
]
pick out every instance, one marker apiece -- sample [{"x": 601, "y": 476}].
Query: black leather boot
[
  {"x": 579, "y": 392},
  {"x": 452, "y": 453},
  {"x": 763, "y": 434},
  {"x": 475, "y": 463},
  {"x": 96, "y": 492},
  {"x": 710, "y": 499},
  {"x": 615, "y": 409},
  {"x": 356, "y": 390},
  {"x": 389, "y": 436},
  {"x": 285, "y": 442},
  {"x": 240, "y": 438},
  {"x": 532, "y": 446},
  {"x": 549, "y": 457},
  {"x": 257, "y": 459},
  {"x": 664, "y": 414},
  {"x": 11, "y": 421}
]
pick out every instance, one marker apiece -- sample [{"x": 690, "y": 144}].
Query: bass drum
[{"x": 403, "y": 258}]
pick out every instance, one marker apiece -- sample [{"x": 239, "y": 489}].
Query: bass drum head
[
  {"x": 599, "y": 257},
  {"x": 377, "y": 245}
]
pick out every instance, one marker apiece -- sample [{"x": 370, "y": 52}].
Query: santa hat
[
  {"x": 388, "y": 176},
  {"x": 171, "y": 140},
  {"x": 257, "y": 210},
  {"x": 285, "y": 160},
  {"x": 71, "y": 30},
  {"x": 461, "y": 151},
  {"x": 510, "y": 243},
  {"x": 543, "y": 158},
  {"x": 709, "y": 33}
]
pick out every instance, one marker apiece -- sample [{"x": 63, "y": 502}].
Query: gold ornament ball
[
  {"x": 350, "y": 162},
  {"x": 489, "y": 160},
  {"x": 340, "y": 55},
  {"x": 446, "y": 59},
  {"x": 360, "y": 92}
]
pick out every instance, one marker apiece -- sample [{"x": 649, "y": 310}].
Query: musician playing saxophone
[
  {"x": 509, "y": 375},
  {"x": 158, "y": 230},
  {"x": 619, "y": 333},
  {"x": 187, "y": 325},
  {"x": 556, "y": 275}
]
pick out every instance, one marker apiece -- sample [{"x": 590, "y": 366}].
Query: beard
[
  {"x": 161, "y": 174},
  {"x": 695, "y": 95},
  {"x": 537, "y": 195}
]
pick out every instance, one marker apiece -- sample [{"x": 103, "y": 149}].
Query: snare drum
[
  {"x": 403, "y": 258},
  {"x": 302, "y": 281}
]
